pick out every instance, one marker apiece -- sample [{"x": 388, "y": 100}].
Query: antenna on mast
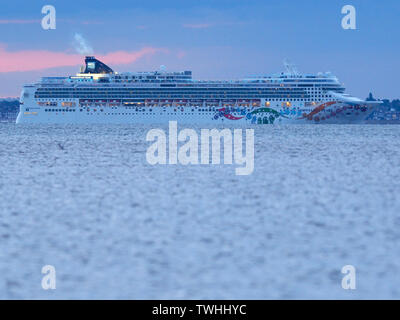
[{"x": 290, "y": 67}]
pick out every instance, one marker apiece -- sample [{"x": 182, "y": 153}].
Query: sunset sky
[{"x": 217, "y": 39}]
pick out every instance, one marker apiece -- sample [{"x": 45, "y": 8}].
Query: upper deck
[
  {"x": 96, "y": 80},
  {"x": 95, "y": 72}
]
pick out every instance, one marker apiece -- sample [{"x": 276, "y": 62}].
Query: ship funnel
[{"x": 96, "y": 66}]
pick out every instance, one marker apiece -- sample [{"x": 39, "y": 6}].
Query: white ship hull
[{"x": 335, "y": 113}]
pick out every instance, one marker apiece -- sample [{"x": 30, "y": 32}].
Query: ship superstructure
[{"x": 99, "y": 95}]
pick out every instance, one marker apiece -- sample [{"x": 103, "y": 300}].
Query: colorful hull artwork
[
  {"x": 328, "y": 112},
  {"x": 257, "y": 116}
]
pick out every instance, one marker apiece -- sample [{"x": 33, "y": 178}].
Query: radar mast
[{"x": 290, "y": 67}]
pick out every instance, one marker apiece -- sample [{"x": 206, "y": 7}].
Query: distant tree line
[
  {"x": 9, "y": 106},
  {"x": 387, "y": 105}
]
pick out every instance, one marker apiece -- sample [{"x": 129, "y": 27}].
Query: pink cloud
[
  {"x": 27, "y": 21},
  {"x": 89, "y": 22},
  {"x": 124, "y": 57},
  {"x": 198, "y": 25},
  {"x": 29, "y": 60},
  {"x": 212, "y": 24},
  {"x": 181, "y": 54},
  {"x": 17, "y": 21}
]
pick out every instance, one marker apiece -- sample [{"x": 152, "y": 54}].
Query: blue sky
[{"x": 216, "y": 39}]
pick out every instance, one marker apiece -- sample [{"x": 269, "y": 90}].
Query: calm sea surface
[{"x": 84, "y": 199}]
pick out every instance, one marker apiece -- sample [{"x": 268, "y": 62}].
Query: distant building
[{"x": 9, "y": 109}]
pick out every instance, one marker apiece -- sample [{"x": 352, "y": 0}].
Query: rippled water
[{"x": 84, "y": 199}]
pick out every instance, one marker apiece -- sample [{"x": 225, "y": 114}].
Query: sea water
[{"x": 84, "y": 200}]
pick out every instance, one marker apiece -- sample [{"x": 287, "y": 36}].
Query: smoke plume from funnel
[{"x": 81, "y": 46}]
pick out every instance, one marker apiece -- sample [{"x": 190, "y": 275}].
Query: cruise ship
[{"x": 97, "y": 94}]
